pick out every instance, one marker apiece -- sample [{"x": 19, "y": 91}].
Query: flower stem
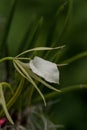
[{"x": 6, "y": 58}]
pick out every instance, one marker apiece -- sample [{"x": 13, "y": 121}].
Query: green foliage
[
  {"x": 42, "y": 23},
  {"x": 3, "y": 103}
]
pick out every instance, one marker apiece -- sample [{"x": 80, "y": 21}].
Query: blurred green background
[{"x": 53, "y": 23}]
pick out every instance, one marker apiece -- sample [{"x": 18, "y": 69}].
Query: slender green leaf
[
  {"x": 25, "y": 74},
  {"x": 15, "y": 95},
  {"x": 3, "y": 103}
]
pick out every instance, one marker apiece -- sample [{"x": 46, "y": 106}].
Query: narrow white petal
[{"x": 45, "y": 69}]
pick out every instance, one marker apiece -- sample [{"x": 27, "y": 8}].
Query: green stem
[
  {"x": 63, "y": 91},
  {"x": 6, "y": 58}
]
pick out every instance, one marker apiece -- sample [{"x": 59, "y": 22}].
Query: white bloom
[{"x": 45, "y": 69}]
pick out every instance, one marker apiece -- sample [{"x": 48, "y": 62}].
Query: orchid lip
[{"x": 45, "y": 69}]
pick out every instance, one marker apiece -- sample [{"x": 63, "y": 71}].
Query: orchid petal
[{"x": 45, "y": 69}]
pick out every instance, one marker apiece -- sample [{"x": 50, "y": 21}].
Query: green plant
[{"x": 42, "y": 24}]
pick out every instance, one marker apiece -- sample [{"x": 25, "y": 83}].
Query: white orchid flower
[{"x": 45, "y": 69}]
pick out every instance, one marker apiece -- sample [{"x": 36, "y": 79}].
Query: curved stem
[
  {"x": 7, "y": 85},
  {"x": 6, "y": 58}
]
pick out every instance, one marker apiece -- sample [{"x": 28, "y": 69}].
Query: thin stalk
[
  {"x": 6, "y": 58},
  {"x": 23, "y": 58}
]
